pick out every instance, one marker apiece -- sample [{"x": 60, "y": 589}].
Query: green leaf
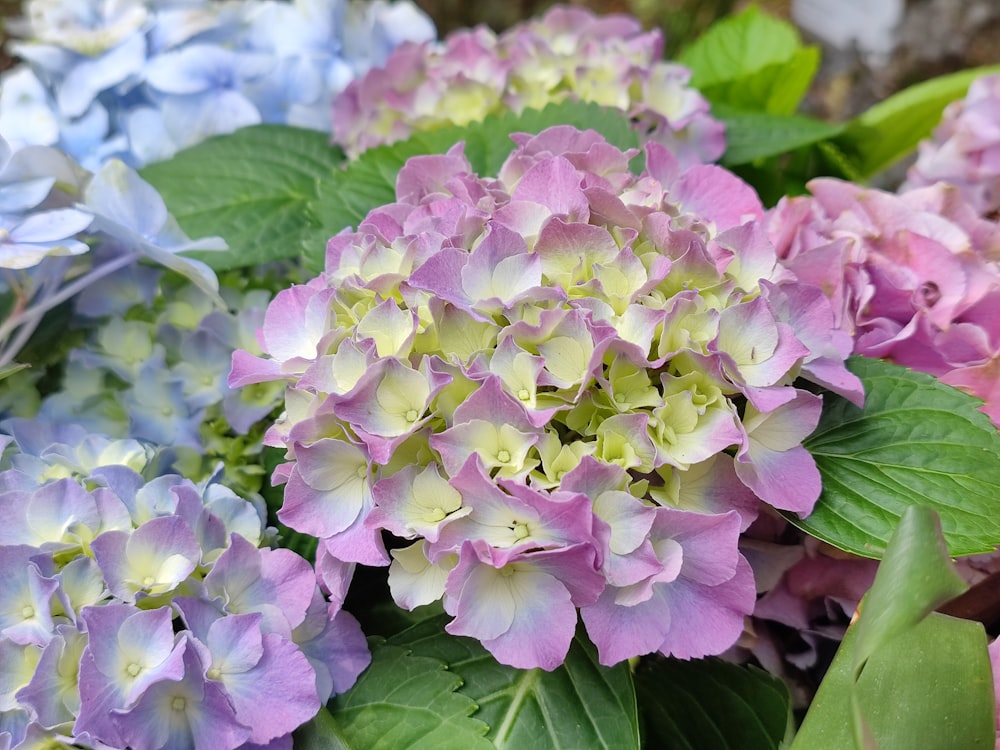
[
  {"x": 916, "y": 575},
  {"x": 930, "y": 688},
  {"x": 710, "y": 704},
  {"x": 916, "y": 442},
  {"x": 9, "y": 369},
  {"x": 250, "y": 187},
  {"x": 405, "y": 700},
  {"x": 579, "y": 705},
  {"x": 321, "y": 733},
  {"x": 757, "y": 135},
  {"x": 752, "y": 61},
  {"x": 879, "y": 137},
  {"x": 901, "y": 678},
  {"x": 346, "y": 197}
]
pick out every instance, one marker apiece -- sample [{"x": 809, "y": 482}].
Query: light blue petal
[
  {"x": 51, "y": 226},
  {"x": 22, "y": 196},
  {"x": 92, "y": 76},
  {"x": 121, "y": 195},
  {"x": 192, "y": 119},
  {"x": 148, "y": 135}
]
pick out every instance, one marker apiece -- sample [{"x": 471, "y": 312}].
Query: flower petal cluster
[
  {"x": 34, "y": 223},
  {"x": 914, "y": 278},
  {"x": 153, "y": 368},
  {"x": 565, "y": 387},
  {"x": 52, "y": 210},
  {"x": 139, "y": 80},
  {"x": 569, "y": 52},
  {"x": 139, "y": 613},
  {"x": 965, "y": 149}
]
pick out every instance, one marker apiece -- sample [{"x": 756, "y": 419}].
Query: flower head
[
  {"x": 568, "y": 53},
  {"x": 562, "y": 354},
  {"x": 143, "y": 614},
  {"x": 914, "y": 278}
]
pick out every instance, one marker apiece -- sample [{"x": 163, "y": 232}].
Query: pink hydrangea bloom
[
  {"x": 564, "y": 386},
  {"x": 914, "y": 278},
  {"x": 567, "y": 53},
  {"x": 965, "y": 148}
]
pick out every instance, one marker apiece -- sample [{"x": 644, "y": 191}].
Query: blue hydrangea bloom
[{"x": 140, "y": 80}]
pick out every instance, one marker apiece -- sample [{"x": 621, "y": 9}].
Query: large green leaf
[
  {"x": 370, "y": 180},
  {"x": 402, "y": 700},
  {"x": 251, "y": 188},
  {"x": 916, "y": 442},
  {"x": 579, "y": 705},
  {"x": 710, "y": 704},
  {"x": 752, "y": 61},
  {"x": 902, "y": 679},
  {"x": 757, "y": 135},
  {"x": 879, "y": 137}
]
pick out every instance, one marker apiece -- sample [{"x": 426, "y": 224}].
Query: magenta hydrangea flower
[
  {"x": 914, "y": 278},
  {"x": 965, "y": 149},
  {"x": 562, "y": 386},
  {"x": 568, "y": 53}
]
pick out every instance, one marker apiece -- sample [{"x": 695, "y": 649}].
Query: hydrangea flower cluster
[
  {"x": 914, "y": 278},
  {"x": 146, "y": 614},
  {"x": 139, "y": 80},
  {"x": 965, "y": 149},
  {"x": 567, "y": 53},
  {"x": 153, "y": 367},
  {"x": 568, "y": 388},
  {"x": 52, "y": 211}
]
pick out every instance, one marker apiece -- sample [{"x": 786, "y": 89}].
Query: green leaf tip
[
  {"x": 752, "y": 61},
  {"x": 906, "y": 676},
  {"x": 407, "y": 700},
  {"x": 915, "y": 577}
]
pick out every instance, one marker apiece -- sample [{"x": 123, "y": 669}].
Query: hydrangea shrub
[
  {"x": 568, "y": 387},
  {"x": 566, "y": 53}
]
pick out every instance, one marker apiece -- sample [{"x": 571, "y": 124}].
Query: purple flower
[
  {"x": 184, "y": 711},
  {"x": 25, "y": 241},
  {"x": 694, "y": 606},
  {"x": 25, "y": 597},
  {"x": 521, "y": 605},
  {"x": 128, "y": 651},
  {"x": 152, "y": 560},
  {"x": 276, "y": 583},
  {"x": 254, "y": 669}
]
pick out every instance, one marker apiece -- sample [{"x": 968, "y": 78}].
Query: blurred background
[{"x": 871, "y": 47}]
